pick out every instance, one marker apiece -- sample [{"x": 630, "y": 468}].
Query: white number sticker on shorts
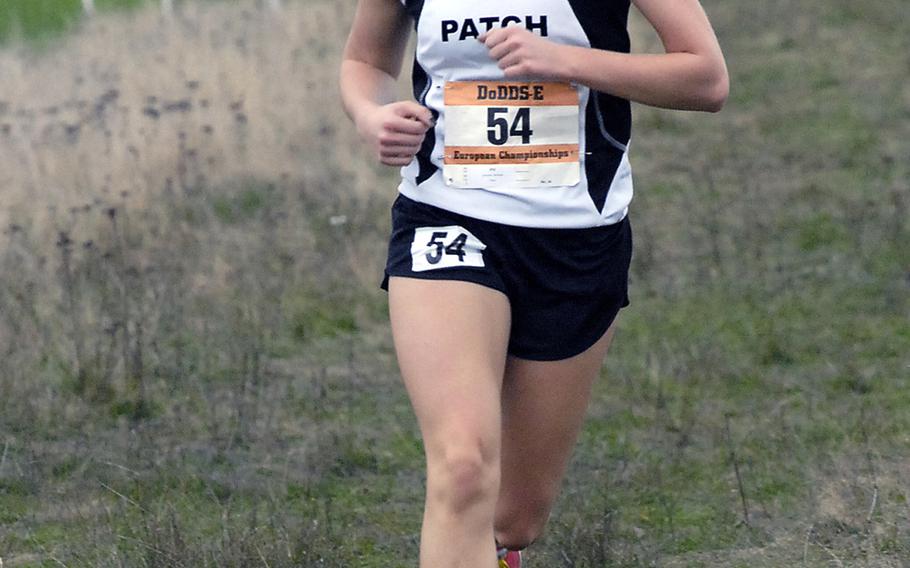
[{"x": 445, "y": 247}]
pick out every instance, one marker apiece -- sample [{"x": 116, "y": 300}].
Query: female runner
[{"x": 510, "y": 245}]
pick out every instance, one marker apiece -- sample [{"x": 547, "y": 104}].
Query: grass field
[
  {"x": 195, "y": 366},
  {"x": 42, "y": 19}
]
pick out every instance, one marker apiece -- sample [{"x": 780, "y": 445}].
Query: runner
[{"x": 510, "y": 247}]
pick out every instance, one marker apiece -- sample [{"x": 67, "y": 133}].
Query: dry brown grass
[{"x": 136, "y": 105}]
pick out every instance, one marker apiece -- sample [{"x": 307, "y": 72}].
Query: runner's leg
[
  {"x": 451, "y": 339},
  {"x": 544, "y": 405}
]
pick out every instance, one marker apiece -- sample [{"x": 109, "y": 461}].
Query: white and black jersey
[{"x": 448, "y": 51}]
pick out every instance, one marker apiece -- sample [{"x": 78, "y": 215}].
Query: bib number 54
[
  {"x": 444, "y": 247},
  {"x": 498, "y": 129},
  {"x": 456, "y": 247}
]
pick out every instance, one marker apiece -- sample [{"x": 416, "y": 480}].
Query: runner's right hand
[{"x": 395, "y": 132}]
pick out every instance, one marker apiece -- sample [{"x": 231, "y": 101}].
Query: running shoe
[{"x": 509, "y": 558}]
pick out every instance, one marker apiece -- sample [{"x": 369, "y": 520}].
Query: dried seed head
[
  {"x": 72, "y": 132},
  {"x": 183, "y": 105}
]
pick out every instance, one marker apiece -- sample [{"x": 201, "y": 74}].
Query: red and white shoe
[{"x": 509, "y": 558}]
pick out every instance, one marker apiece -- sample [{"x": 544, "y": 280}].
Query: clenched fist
[
  {"x": 395, "y": 132},
  {"x": 521, "y": 53}
]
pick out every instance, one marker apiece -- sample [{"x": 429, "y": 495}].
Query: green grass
[{"x": 39, "y": 20}]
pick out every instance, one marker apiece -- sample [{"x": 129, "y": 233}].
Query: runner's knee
[
  {"x": 519, "y": 525},
  {"x": 462, "y": 477}
]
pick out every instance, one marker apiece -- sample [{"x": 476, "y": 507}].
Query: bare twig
[
  {"x": 261, "y": 556},
  {"x": 140, "y": 542},
  {"x": 806, "y": 544},
  {"x": 65, "y": 244},
  {"x": 864, "y": 432},
  {"x": 2, "y": 463},
  {"x": 874, "y": 502},
  {"x": 830, "y": 552},
  {"x": 123, "y": 467},
  {"x": 122, "y": 496},
  {"x": 739, "y": 479}
]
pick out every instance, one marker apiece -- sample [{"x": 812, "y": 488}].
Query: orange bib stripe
[
  {"x": 481, "y": 93},
  {"x": 511, "y": 155}
]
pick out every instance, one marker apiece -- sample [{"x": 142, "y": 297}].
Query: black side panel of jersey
[
  {"x": 414, "y": 8},
  {"x": 427, "y": 168},
  {"x": 605, "y": 23},
  {"x": 420, "y": 80}
]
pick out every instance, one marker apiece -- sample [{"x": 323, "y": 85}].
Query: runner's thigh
[
  {"x": 451, "y": 339},
  {"x": 544, "y": 405}
]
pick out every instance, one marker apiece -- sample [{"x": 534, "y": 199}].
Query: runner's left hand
[{"x": 521, "y": 53}]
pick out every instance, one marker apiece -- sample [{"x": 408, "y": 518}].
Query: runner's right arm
[{"x": 394, "y": 130}]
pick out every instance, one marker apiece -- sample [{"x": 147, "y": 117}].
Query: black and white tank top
[{"x": 520, "y": 152}]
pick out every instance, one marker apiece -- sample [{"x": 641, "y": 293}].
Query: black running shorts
[{"x": 565, "y": 286}]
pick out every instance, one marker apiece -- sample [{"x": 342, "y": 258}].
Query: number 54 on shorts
[{"x": 445, "y": 247}]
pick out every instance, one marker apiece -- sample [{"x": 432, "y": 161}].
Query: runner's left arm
[{"x": 691, "y": 75}]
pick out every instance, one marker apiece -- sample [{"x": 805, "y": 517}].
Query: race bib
[
  {"x": 511, "y": 134},
  {"x": 445, "y": 247}
]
